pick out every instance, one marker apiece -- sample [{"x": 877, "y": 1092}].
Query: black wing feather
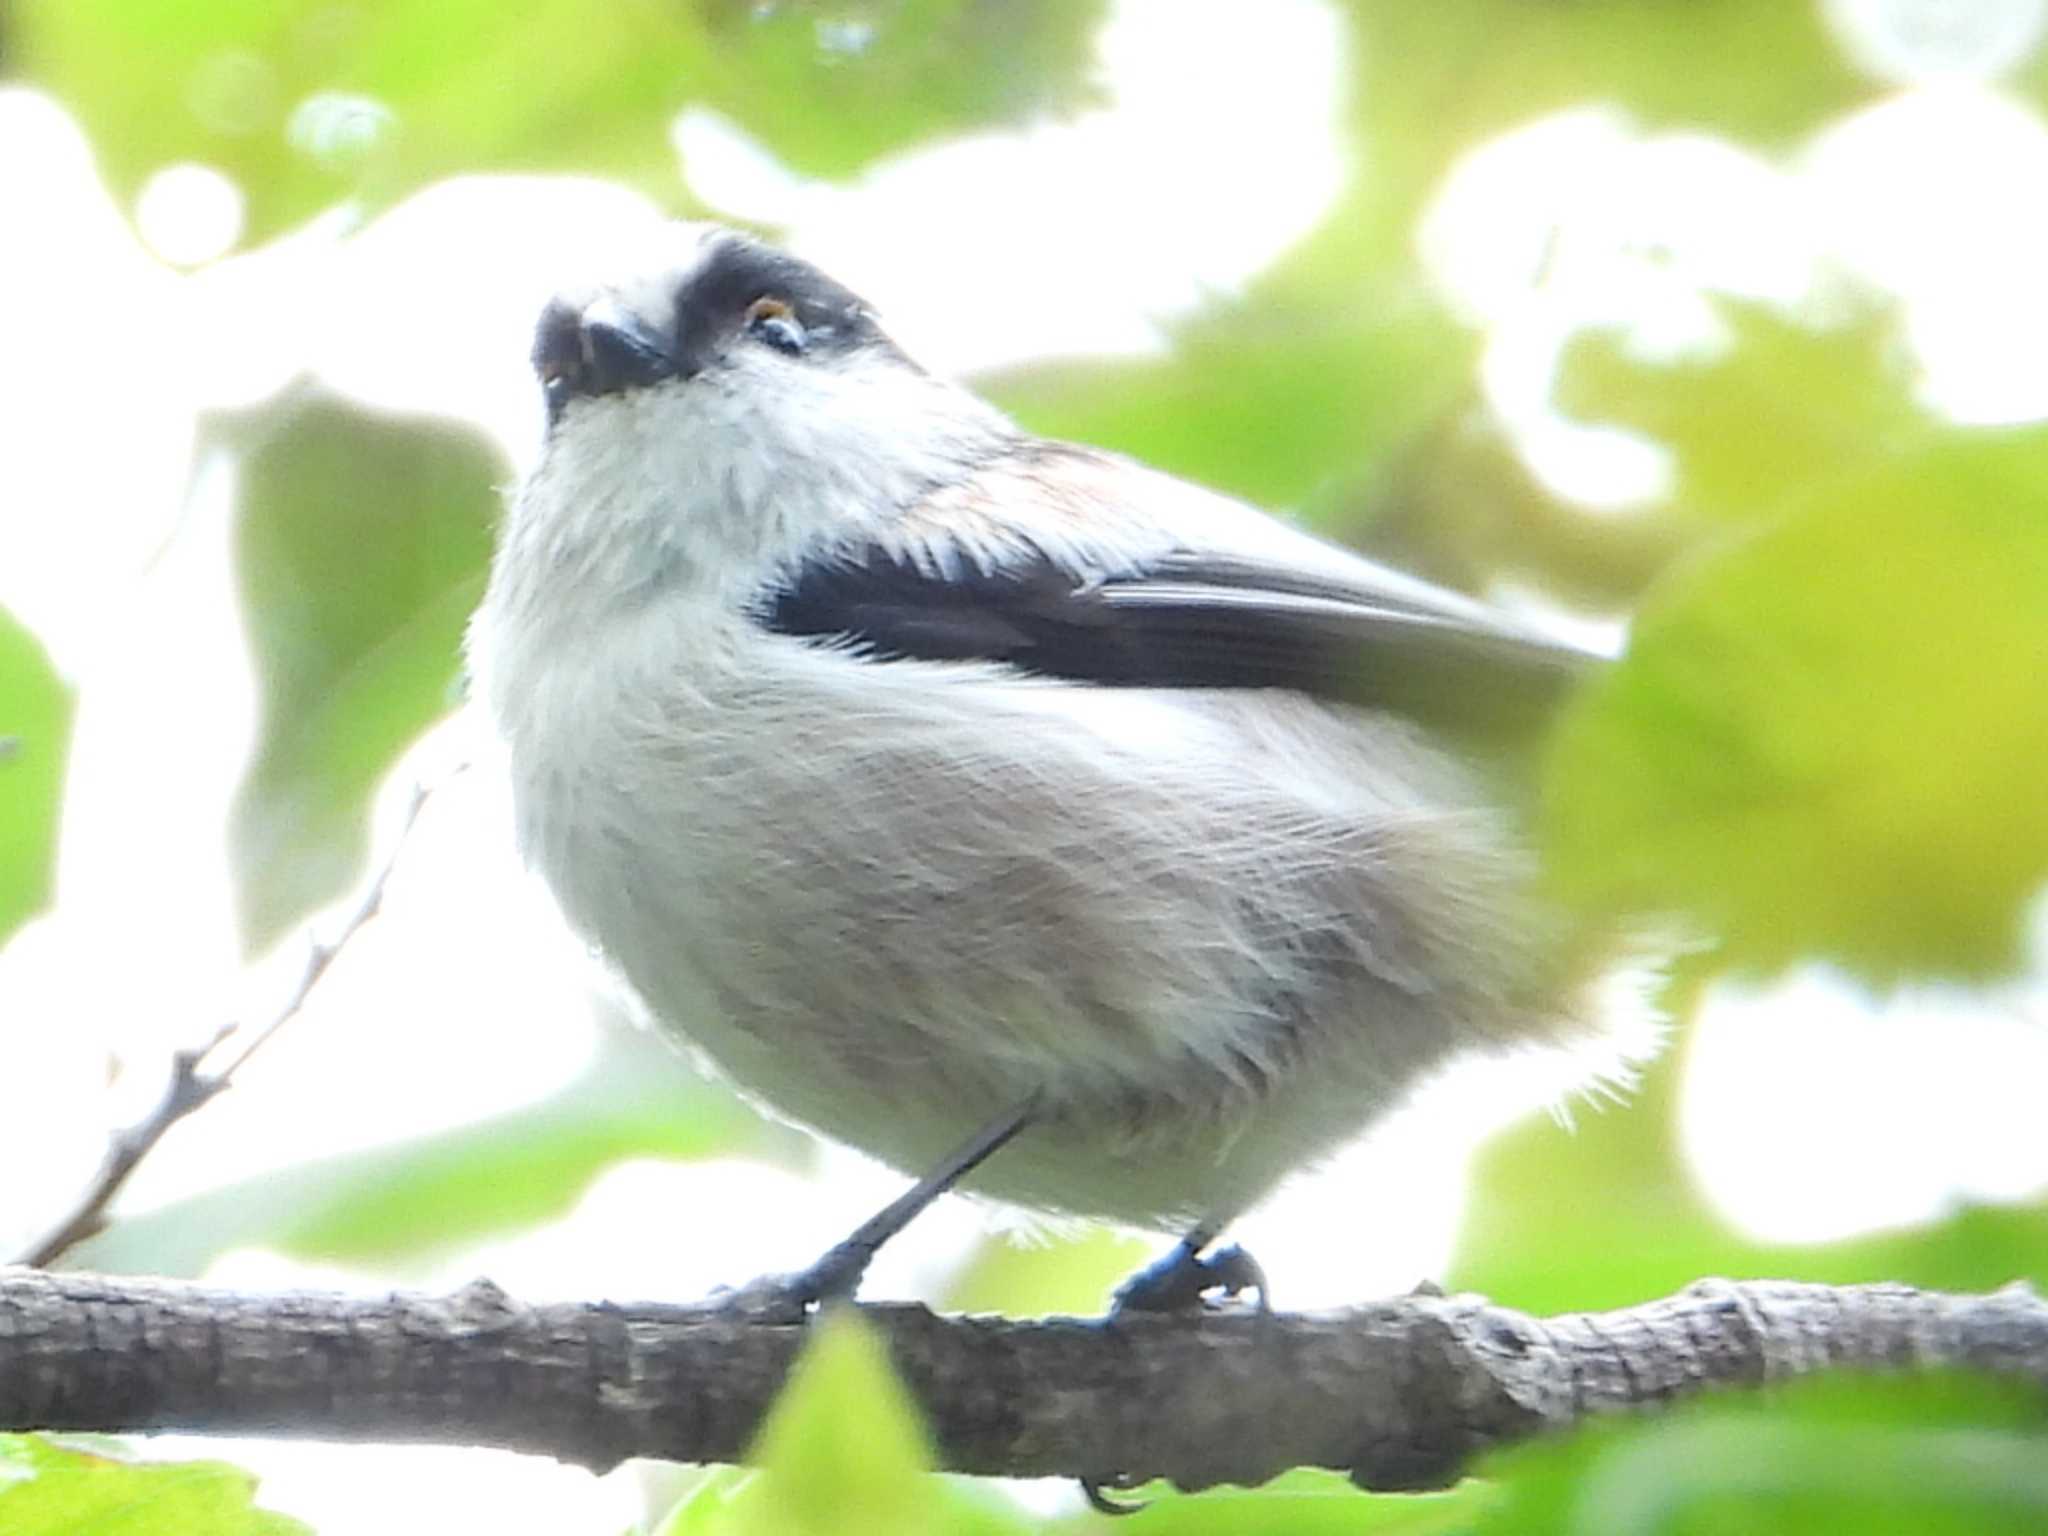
[{"x": 1191, "y": 621}]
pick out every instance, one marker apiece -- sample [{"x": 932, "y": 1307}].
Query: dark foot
[
  {"x": 1183, "y": 1280},
  {"x": 835, "y": 1277},
  {"x": 789, "y": 1298}
]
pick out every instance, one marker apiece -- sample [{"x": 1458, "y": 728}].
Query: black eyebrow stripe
[{"x": 712, "y": 299}]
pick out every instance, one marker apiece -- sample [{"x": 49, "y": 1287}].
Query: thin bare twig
[{"x": 192, "y": 1087}]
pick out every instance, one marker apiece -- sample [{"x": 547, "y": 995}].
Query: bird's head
[{"x": 721, "y": 410}]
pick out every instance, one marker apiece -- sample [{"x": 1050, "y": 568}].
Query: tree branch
[{"x": 1401, "y": 1394}]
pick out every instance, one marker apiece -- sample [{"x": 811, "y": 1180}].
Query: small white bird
[{"x": 1017, "y": 814}]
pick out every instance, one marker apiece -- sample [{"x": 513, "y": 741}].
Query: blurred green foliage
[
  {"x": 56, "y": 1488},
  {"x": 405, "y": 1204},
  {"x": 362, "y": 541},
  {"x": 1336, "y": 357},
  {"x": 1605, "y": 1214},
  {"x": 307, "y": 103},
  {"x": 1061, "y": 1272},
  {"x": 1826, "y": 740},
  {"x": 1828, "y": 737},
  {"x": 1881, "y": 1456},
  {"x": 1775, "y": 408},
  {"x": 810, "y": 1476},
  {"x": 35, "y": 729}
]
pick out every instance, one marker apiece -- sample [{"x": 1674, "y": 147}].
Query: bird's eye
[{"x": 773, "y": 320}]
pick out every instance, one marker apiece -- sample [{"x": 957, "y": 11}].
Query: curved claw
[
  {"x": 1092, "y": 1489},
  {"x": 1235, "y": 1271}
]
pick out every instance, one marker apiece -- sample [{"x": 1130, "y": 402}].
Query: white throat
[{"x": 710, "y": 487}]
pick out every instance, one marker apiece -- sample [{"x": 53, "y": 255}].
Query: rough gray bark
[{"x": 1401, "y": 1394}]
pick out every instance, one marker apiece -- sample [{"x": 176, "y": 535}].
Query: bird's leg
[
  {"x": 1180, "y": 1280},
  {"x": 837, "y": 1274}
]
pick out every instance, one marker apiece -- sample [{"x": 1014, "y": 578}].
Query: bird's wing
[{"x": 1083, "y": 567}]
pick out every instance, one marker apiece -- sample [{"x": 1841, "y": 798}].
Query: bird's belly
[{"x": 896, "y": 927}]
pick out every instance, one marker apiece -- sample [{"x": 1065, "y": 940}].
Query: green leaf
[
  {"x": 1878, "y": 1455},
  {"x": 48, "y": 1488},
  {"x": 305, "y": 104},
  {"x": 1837, "y": 397},
  {"x": 35, "y": 732},
  {"x": 1827, "y": 740},
  {"x": 707, "y": 1509},
  {"x": 362, "y": 546},
  {"x": 844, "y": 1448},
  {"x": 412, "y": 1201}
]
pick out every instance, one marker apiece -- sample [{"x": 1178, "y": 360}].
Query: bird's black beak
[{"x": 596, "y": 348}]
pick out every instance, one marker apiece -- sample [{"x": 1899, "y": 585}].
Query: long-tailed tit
[{"x": 1024, "y": 817}]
